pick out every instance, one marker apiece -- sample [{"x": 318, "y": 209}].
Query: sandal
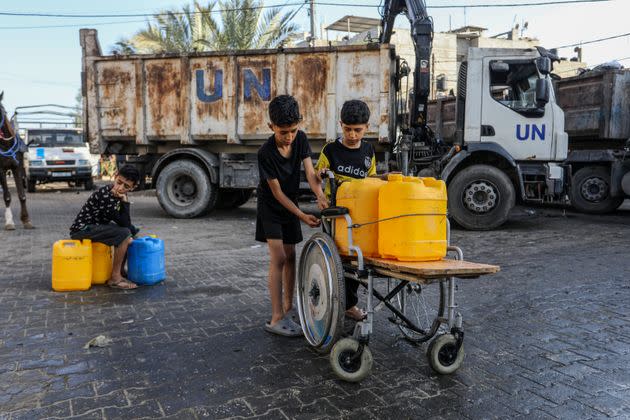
[
  {"x": 293, "y": 316},
  {"x": 122, "y": 284},
  {"x": 356, "y": 314},
  {"x": 285, "y": 327}
]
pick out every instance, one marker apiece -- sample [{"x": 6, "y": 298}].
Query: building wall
[{"x": 450, "y": 49}]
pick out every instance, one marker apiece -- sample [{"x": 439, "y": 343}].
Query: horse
[{"x": 12, "y": 158}]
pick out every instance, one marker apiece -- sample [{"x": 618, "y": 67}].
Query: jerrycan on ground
[
  {"x": 71, "y": 265},
  {"x": 361, "y": 198},
  {"x": 102, "y": 262},
  {"x": 145, "y": 261},
  {"x": 416, "y": 209}
]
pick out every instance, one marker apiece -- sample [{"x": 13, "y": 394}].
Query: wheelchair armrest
[{"x": 335, "y": 211}]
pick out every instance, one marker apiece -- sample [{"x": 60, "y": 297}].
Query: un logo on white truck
[{"x": 523, "y": 132}]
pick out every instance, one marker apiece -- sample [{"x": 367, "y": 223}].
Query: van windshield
[{"x": 56, "y": 139}]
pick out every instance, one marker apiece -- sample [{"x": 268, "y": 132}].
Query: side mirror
[
  {"x": 544, "y": 65},
  {"x": 542, "y": 92},
  {"x": 499, "y": 67}
]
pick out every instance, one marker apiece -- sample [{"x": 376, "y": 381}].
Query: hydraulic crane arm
[{"x": 422, "y": 35}]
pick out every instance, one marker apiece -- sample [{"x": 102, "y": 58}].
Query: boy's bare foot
[
  {"x": 121, "y": 283},
  {"x": 356, "y": 313}
]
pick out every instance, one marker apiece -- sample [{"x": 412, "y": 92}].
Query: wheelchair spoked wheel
[
  {"x": 423, "y": 306},
  {"x": 321, "y": 295}
]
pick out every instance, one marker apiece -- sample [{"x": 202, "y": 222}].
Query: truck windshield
[
  {"x": 55, "y": 139},
  {"x": 516, "y": 87}
]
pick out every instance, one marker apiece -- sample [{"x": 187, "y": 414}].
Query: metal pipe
[
  {"x": 367, "y": 330},
  {"x": 451, "y": 289}
]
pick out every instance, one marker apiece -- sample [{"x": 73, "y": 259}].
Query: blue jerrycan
[{"x": 145, "y": 261}]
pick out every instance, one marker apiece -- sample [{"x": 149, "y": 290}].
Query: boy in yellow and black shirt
[{"x": 350, "y": 158}]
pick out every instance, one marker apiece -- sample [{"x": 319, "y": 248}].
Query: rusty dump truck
[{"x": 192, "y": 123}]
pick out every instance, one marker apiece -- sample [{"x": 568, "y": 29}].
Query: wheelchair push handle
[{"x": 333, "y": 187}]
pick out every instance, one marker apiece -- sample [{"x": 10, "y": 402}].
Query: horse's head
[{"x": 6, "y": 128}]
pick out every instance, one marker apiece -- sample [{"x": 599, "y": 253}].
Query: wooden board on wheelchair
[{"x": 428, "y": 271}]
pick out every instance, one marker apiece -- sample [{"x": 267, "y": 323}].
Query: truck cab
[
  {"x": 512, "y": 114},
  {"x": 511, "y": 133},
  {"x": 516, "y": 144},
  {"x": 56, "y": 154}
]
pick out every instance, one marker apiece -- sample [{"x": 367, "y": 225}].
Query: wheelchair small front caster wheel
[
  {"x": 443, "y": 354},
  {"x": 347, "y": 364}
]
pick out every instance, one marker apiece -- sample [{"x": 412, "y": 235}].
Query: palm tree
[{"x": 242, "y": 26}]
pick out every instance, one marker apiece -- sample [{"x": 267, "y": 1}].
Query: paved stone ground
[{"x": 547, "y": 337}]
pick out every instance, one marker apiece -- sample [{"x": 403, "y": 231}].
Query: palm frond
[{"x": 242, "y": 26}]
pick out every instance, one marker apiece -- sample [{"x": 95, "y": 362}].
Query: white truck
[{"x": 569, "y": 144}]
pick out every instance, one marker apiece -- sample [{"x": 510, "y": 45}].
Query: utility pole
[{"x": 312, "y": 13}]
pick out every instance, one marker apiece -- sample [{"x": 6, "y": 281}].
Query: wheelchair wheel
[
  {"x": 443, "y": 354},
  {"x": 423, "y": 305},
  {"x": 347, "y": 367},
  {"x": 321, "y": 294}
]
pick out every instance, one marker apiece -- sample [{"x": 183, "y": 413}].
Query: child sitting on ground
[
  {"x": 350, "y": 158},
  {"x": 105, "y": 218},
  {"x": 278, "y": 215}
]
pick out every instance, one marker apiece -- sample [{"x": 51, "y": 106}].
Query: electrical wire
[
  {"x": 452, "y": 6},
  {"x": 595, "y": 40},
  {"x": 76, "y": 25},
  {"x": 173, "y": 13},
  {"x": 478, "y": 6}
]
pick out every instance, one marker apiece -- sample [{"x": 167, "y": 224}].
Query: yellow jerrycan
[
  {"x": 71, "y": 265},
  {"x": 102, "y": 262},
  {"x": 413, "y": 219},
  {"x": 361, "y": 198}
]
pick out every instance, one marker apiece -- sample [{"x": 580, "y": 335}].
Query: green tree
[{"x": 242, "y": 25}]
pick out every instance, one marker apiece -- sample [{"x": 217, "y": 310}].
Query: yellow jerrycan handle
[{"x": 73, "y": 242}]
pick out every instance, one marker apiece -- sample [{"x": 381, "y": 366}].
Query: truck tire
[
  {"x": 233, "y": 199},
  {"x": 184, "y": 190},
  {"x": 480, "y": 197},
  {"x": 590, "y": 191},
  {"x": 88, "y": 185},
  {"x": 31, "y": 183}
]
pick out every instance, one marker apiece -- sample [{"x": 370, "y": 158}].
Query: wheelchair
[{"x": 420, "y": 311}]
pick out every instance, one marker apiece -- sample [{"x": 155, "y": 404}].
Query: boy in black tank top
[
  {"x": 350, "y": 158},
  {"x": 278, "y": 215}
]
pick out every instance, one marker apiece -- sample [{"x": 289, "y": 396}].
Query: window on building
[{"x": 440, "y": 83}]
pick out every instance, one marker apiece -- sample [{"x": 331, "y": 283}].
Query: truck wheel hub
[
  {"x": 594, "y": 189},
  {"x": 480, "y": 197},
  {"x": 184, "y": 189}
]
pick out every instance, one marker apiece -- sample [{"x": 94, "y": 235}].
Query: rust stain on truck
[
  {"x": 117, "y": 110},
  {"x": 164, "y": 85},
  {"x": 309, "y": 87}
]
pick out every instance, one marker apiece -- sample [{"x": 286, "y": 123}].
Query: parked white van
[{"x": 57, "y": 154}]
